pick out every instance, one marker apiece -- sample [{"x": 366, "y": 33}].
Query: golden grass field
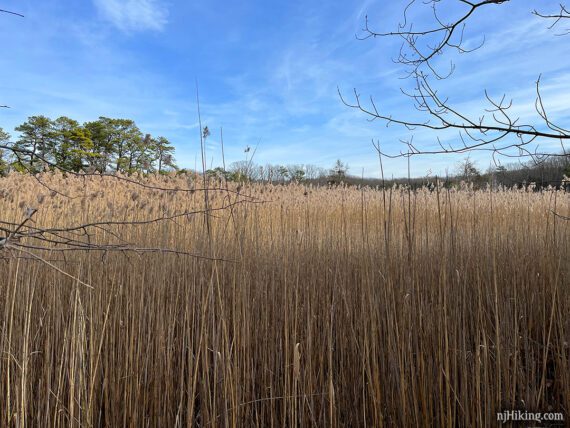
[{"x": 332, "y": 307}]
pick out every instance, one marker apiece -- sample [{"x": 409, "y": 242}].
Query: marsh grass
[{"x": 336, "y": 309}]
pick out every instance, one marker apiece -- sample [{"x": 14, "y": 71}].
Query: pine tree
[
  {"x": 36, "y": 144},
  {"x": 163, "y": 154},
  {"x": 74, "y": 147}
]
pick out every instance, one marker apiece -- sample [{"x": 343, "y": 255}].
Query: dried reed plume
[{"x": 435, "y": 308}]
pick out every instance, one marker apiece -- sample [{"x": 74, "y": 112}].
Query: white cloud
[{"x": 134, "y": 15}]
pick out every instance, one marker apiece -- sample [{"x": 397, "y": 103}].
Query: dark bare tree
[
  {"x": 495, "y": 129},
  {"x": 420, "y": 47}
]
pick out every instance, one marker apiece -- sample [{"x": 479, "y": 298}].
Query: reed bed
[{"x": 332, "y": 307}]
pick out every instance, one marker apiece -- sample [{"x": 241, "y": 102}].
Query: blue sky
[{"x": 267, "y": 72}]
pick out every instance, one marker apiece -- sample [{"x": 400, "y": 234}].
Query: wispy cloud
[{"x": 134, "y": 15}]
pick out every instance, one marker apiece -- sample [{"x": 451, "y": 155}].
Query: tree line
[
  {"x": 554, "y": 172},
  {"x": 118, "y": 145},
  {"x": 102, "y": 145},
  {"x": 248, "y": 171}
]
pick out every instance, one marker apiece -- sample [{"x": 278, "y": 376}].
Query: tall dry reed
[{"x": 437, "y": 309}]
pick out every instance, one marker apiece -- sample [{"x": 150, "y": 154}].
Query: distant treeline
[
  {"x": 247, "y": 171},
  {"x": 118, "y": 145},
  {"x": 553, "y": 171},
  {"x": 99, "y": 146},
  {"x": 549, "y": 172}
]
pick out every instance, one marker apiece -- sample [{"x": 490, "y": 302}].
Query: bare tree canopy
[
  {"x": 419, "y": 47},
  {"x": 496, "y": 129}
]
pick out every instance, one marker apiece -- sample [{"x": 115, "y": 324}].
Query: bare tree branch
[
  {"x": 562, "y": 14},
  {"x": 496, "y": 130},
  {"x": 34, "y": 240},
  {"x": 11, "y": 13},
  {"x": 420, "y": 47}
]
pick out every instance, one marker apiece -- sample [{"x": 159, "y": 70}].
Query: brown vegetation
[{"x": 334, "y": 307}]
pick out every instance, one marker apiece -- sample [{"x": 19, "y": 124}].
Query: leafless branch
[
  {"x": 420, "y": 47},
  {"x": 35, "y": 241},
  {"x": 561, "y": 15},
  {"x": 11, "y": 13},
  {"x": 560, "y": 216},
  {"x": 496, "y": 130}
]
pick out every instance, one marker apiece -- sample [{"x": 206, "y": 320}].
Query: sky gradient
[{"x": 267, "y": 72}]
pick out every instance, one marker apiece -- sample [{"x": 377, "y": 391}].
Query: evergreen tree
[
  {"x": 74, "y": 147},
  {"x": 36, "y": 144},
  {"x": 101, "y": 145},
  {"x": 101, "y": 138},
  {"x": 164, "y": 154},
  {"x": 120, "y": 140}
]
